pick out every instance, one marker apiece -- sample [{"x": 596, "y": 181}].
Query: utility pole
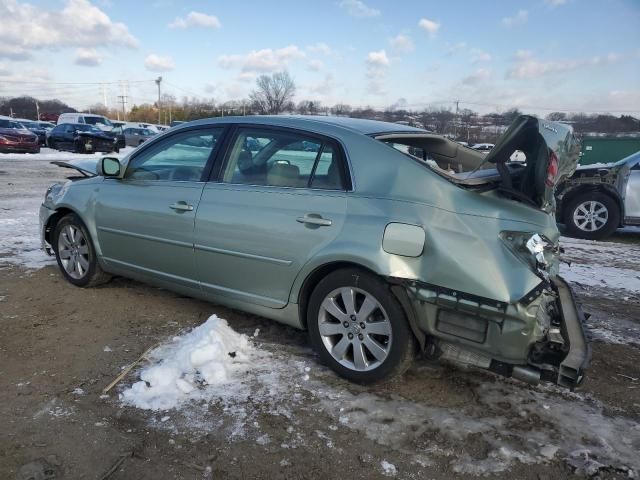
[
  {"x": 104, "y": 95},
  {"x": 455, "y": 122},
  {"x": 37, "y": 111},
  {"x": 158, "y": 82},
  {"x": 123, "y": 100}
]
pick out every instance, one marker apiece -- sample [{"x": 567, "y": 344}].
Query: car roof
[{"x": 358, "y": 125}]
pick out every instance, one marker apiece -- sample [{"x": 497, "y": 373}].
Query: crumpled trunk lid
[{"x": 552, "y": 155}]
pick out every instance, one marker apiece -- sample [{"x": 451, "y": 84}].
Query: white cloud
[
  {"x": 378, "y": 58},
  {"x": 478, "y": 76},
  {"x": 87, "y": 57},
  {"x": 377, "y": 63},
  {"x": 13, "y": 52},
  {"x": 156, "y": 63},
  {"x": 401, "y": 44},
  {"x": 33, "y": 74},
  {"x": 78, "y": 24},
  {"x": 325, "y": 87},
  {"x": 357, "y": 8},
  {"x": 315, "y": 65},
  {"x": 519, "y": 18},
  {"x": 196, "y": 19},
  {"x": 478, "y": 56},
  {"x": 458, "y": 47},
  {"x": 429, "y": 26},
  {"x": 320, "y": 47},
  {"x": 555, "y": 3},
  {"x": 526, "y": 66},
  {"x": 265, "y": 60}
]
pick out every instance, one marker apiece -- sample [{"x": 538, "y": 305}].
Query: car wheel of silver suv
[
  {"x": 358, "y": 327},
  {"x": 592, "y": 215},
  {"x": 75, "y": 254}
]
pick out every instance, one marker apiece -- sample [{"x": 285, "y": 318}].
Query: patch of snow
[
  {"x": 388, "y": 469},
  {"x": 107, "y": 349},
  {"x": 602, "y": 276},
  {"x": 77, "y": 391},
  {"x": 194, "y": 366}
]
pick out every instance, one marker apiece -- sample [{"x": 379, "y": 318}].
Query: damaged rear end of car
[{"x": 486, "y": 291}]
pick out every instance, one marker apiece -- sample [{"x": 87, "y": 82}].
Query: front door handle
[
  {"x": 314, "y": 219},
  {"x": 181, "y": 207}
]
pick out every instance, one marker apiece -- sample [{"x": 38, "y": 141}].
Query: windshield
[
  {"x": 86, "y": 128},
  {"x": 4, "y": 123},
  {"x": 97, "y": 121},
  {"x": 30, "y": 124}
]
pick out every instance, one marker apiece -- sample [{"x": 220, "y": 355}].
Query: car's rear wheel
[
  {"x": 358, "y": 327},
  {"x": 75, "y": 253},
  {"x": 52, "y": 143},
  {"x": 592, "y": 215}
]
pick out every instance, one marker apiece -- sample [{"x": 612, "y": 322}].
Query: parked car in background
[
  {"x": 599, "y": 198},
  {"x": 483, "y": 147},
  {"x": 175, "y": 123},
  {"x": 117, "y": 133},
  {"x": 34, "y": 127},
  {"x": 135, "y": 137},
  {"x": 377, "y": 253},
  {"x": 46, "y": 125},
  {"x": 99, "y": 121},
  {"x": 81, "y": 138},
  {"x": 15, "y": 138}
]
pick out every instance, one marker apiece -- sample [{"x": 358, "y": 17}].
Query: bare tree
[{"x": 273, "y": 92}]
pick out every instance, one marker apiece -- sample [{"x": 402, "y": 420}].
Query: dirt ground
[{"x": 53, "y": 342}]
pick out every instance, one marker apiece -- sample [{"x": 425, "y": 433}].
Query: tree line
[{"x": 274, "y": 94}]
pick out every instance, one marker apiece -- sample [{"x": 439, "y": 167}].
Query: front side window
[
  {"x": 283, "y": 159},
  {"x": 181, "y": 157}
]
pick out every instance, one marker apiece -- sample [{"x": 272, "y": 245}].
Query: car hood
[
  {"x": 87, "y": 166},
  {"x": 99, "y": 135},
  {"x": 12, "y": 132}
]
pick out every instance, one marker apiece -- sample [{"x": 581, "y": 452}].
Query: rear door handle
[
  {"x": 314, "y": 219},
  {"x": 181, "y": 207}
]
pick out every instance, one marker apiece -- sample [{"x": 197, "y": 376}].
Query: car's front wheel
[
  {"x": 358, "y": 327},
  {"x": 75, "y": 253},
  {"x": 592, "y": 215}
]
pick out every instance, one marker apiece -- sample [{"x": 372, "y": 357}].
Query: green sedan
[{"x": 380, "y": 239}]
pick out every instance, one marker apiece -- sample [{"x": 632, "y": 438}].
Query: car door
[
  {"x": 632, "y": 194},
  {"x": 279, "y": 198},
  {"x": 145, "y": 220}
]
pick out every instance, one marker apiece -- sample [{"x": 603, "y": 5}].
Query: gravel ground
[{"x": 291, "y": 417}]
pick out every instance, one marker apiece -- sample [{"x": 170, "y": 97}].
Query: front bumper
[
  {"x": 19, "y": 148},
  {"x": 44, "y": 216}
]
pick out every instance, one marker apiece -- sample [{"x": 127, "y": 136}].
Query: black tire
[
  {"x": 93, "y": 275},
  {"x": 403, "y": 344},
  {"x": 52, "y": 144},
  {"x": 603, "y": 231}
]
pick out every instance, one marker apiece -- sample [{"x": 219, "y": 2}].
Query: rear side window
[{"x": 283, "y": 159}]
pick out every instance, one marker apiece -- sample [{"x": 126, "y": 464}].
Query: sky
[{"x": 537, "y": 55}]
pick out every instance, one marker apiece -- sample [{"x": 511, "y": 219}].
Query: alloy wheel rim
[
  {"x": 73, "y": 251},
  {"x": 355, "y": 328},
  {"x": 590, "y": 216}
]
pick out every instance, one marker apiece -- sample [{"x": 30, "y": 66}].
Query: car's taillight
[{"x": 552, "y": 169}]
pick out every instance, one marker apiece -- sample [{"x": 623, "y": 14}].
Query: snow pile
[{"x": 210, "y": 355}]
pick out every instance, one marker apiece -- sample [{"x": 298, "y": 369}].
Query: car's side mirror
[{"x": 109, "y": 167}]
